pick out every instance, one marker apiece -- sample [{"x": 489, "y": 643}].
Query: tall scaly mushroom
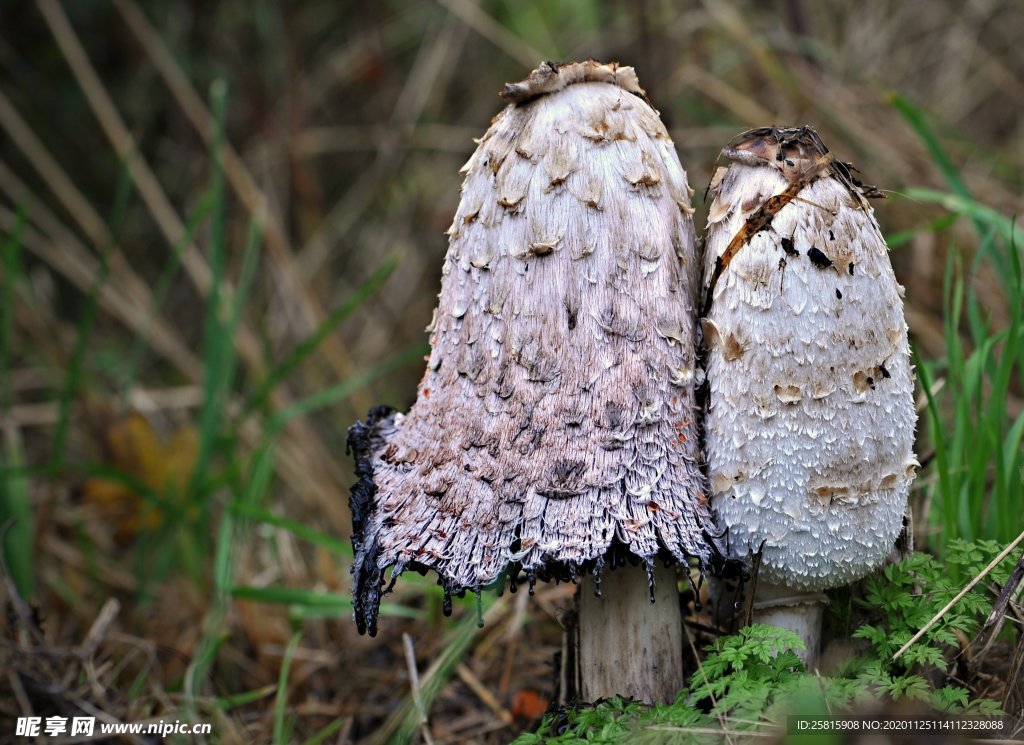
[
  {"x": 810, "y": 420},
  {"x": 554, "y": 432}
]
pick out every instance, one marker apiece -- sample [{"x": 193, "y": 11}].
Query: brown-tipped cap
[
  {"x": 553, "y": 76},
  {"x": 798, "y": 153}
]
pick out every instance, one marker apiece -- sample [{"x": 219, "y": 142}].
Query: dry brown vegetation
[{"x": 346, "y": 124}]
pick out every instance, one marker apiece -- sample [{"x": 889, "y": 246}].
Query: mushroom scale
[
  {"x": 556, "y": 419},
  {"x": 810, "y": 413}
]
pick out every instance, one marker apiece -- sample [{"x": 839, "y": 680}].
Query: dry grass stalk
[
  {"x": 244, "y": 185},
  {"x": 959, "y": 596},
  {"x": 60, "y": 249}
]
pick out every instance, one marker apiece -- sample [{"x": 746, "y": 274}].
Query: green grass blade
[
  {"x": 1011, "y": 473},
  {"x": 344, "y": 389},
  {"x": 250, "y": 261},
  {"x": 72, "y": 378},
  {"x": 262, "y": 473},
  {"x": 978, "y": 325},
  {"x": 247, "y": 273},
  {"x": 899, "y": 238},
  {"x": 229, "y": 536},
  {"x": 12, "y": 276},
  {"x": 295, "y": 527},
  {"x": 310, "y": 343},
  {"x": 138, "y": 685},
  {"x": 243, "y": 699},
  {"x": 323, "y": 734},
  {"x": 300, "y": 596},
  {"x": 222, "y": 562},
  {"x": 217, "y": 348},
  {"x": 16, "y": 531},
  {"x": 306, "y": 613},
  {"x": 305, "y": 603},
  {"x": 161, "y": 288},
  {"x": 916, "y": 118},
  {"x": 982, "y": 215},
  {"x": 200, "y": 666},
  {"x": 281, "y": 701},
  {"x": 941, "y": 445}
]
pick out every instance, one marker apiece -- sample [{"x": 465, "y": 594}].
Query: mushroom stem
[
  {"x": 797, "y": 610},
  {"x": 627, "y": 645}
]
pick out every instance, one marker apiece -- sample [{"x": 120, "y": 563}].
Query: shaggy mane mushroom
[
  {"x": 810, "y": 419},
  {"x": 555, "y": 432}
]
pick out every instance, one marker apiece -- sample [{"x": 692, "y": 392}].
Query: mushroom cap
[
  {"x": 810, "y": 420},
  {"x": 556, "y": 417}
]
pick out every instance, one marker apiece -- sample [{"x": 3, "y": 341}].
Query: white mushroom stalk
[
  {"x": 555, "y": 429},
  {"x": 810, "y": 416}
]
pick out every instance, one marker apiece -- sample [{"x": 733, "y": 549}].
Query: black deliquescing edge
[
  {"x": 366, "y": 438},
  {"x": 368, "y": 578}
]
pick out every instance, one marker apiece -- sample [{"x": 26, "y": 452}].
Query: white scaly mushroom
[
  {"x": 810, "y": 413},
  {"x": 555, "y": 430}
]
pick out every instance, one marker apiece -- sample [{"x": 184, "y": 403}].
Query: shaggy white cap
[{"x": 810, "y": 425}]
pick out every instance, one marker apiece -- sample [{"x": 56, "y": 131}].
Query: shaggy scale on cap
[
  {"x": 556, "y": 418},
  {"x": 810, "y": 424}
]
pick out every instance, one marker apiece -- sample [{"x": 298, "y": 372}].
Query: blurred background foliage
[{"x": 222, "y": 230}]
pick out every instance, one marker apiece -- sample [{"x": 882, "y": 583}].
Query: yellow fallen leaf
[{"x": 130, "y": 445}]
